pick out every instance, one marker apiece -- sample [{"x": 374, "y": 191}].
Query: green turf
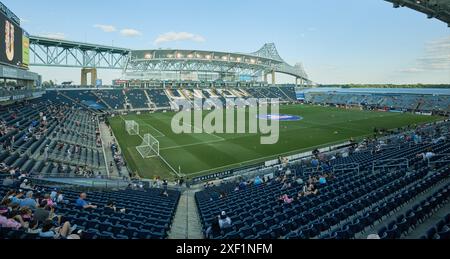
[{"x": 199, "y": 154}]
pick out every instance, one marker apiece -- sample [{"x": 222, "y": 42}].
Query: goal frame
[
  {"x": 132, "y": 127},
  {"x": 149, "y": 147}
]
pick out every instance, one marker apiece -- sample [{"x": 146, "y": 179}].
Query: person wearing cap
[
  {"x": 28, "y": 201},
  {"x": 224, "y": 220}
]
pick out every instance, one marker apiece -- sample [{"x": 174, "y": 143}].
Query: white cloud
[
  {"x": 412, "y": 70},
  {"x": 130, "y": 33},
  {"x": 178, "y": 36},
  {"x": 436, "y": 57},
  {"x": 55, "y": 35},
  {"x": 105, "y": 28}
]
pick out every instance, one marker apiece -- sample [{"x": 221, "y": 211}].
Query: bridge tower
[
  {"x": 84, "y": 74},
  {"x": 272, "y": 73},
  {"x": 273, "y": 77}
]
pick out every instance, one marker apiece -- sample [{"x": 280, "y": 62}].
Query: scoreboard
[{"x": 14, "y": 43}]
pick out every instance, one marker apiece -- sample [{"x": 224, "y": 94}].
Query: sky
[{"x": 345, "y": 41}]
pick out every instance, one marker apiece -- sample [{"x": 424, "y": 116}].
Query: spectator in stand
[
  {"x": 28, "y": 201},
  {"x": 8, "y": 181},
  {"x": 15, "y": 197},
  {"x": 258, "y": 181},
  {"x": 33, "y": 227},
  {"x": 14, "y": 222},
  {"x": 82, "y": 203},
  {"x": 60, "y": 197},
  {"x": 45, "y": 212},
  {"x": 311, "y": 190},
  {"x": 426, "y": 156},
  {"x": 315, "y": 163},
  {"x": 242, "y": 184},
  {"x": 165, "y": 192},
  {"x": 285, "y": 199},
  {"x": 49, "y": 200},
  {"x": 26, "y": 185},
  {"x": 322, "y": 180},
  {"x": 50, "y": 231},
  {"x": 111, "y": 207},
  {"x": 224, "y": 221}
]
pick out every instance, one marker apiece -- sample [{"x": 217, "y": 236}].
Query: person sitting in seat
[
  {"x": 311, "y": 190},
  {"x": 28, "y": 201},
  {"x": 323, "y": 180},
  {"x": 111, "y": 206},
  {"x": 26, "y": 185},
  {"x": 285, "y": 199},
  {"x": 257, "y": 181},
  {"x": 224, "y": 221},
  {"x": 50, "y": 231},
  {"x": 82, "y": 203},
  {"x": 13, "y": 222}
]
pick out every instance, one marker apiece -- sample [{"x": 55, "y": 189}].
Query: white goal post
[
  {"x": 132, "y": 127},
  {"x": 149, "y": 147}
]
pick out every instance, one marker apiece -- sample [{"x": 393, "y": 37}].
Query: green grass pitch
[{"x": 200, "y": 154}]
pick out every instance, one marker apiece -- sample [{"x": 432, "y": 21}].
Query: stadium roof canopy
[
  {"x": 265, "y": 61},
  {"x": 439, "y": 9}
]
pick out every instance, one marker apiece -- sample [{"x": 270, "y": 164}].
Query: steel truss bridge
[
  {"x": 262, "y": 62},
  {"x": 62, "y": 53},
  {"x": 439, "y": 9}
]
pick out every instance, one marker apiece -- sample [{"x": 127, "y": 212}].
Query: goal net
[
  {"x": 149, "y": 147},
  {"x": 132, "y": 127}
]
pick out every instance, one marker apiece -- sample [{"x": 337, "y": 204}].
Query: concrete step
[{"x": 186, "y": 224}]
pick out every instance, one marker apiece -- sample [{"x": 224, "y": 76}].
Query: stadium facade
[{"x": 439, "y": 9}]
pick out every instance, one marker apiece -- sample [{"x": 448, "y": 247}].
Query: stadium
[{"x": 344, "y": 162}]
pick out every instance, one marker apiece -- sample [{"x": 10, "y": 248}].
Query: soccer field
[{"x": 200, "y": 154}]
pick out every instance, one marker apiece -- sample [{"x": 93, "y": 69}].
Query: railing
[
  {"x": 440, "y": 158},
  {"x": 187, "y": 214},
  {"x": 390, "y": 163},
  {"x": 346, "y": 167}
]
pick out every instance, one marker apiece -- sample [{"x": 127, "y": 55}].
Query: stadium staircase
[
  {"x": 287, "y": 97},
  {"x": 127, "y": 102},
  {"x": 79, "y": 103},
  {"x": 107, "y": 140},
  {"x": 186, "y": 223},
  {"x": 151, "y": 105}
]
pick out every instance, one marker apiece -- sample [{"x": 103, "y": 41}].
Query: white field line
[
  {"x": 145, "y": 123},
  {"x": 174, "y": 172}
]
